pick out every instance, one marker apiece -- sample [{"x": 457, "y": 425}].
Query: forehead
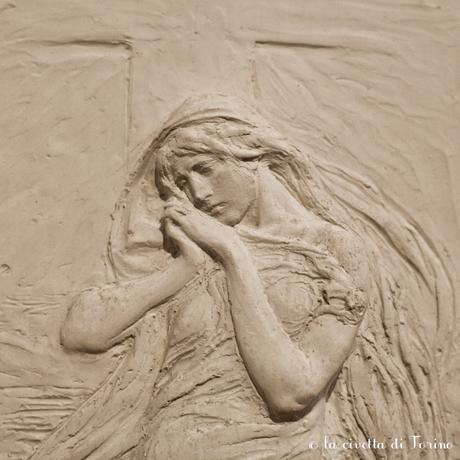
[{"x": 183, "y": 164}]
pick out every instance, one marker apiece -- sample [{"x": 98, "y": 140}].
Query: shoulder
[{"x": 349, "y": 250}]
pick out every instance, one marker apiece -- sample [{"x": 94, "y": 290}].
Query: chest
[
  {"x": 289, "y": 285},
  {"x": 292, "y": 286}
]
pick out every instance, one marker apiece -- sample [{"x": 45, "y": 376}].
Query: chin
[
  {"x": 226, "y": 221},
  {"x": 230, "y": 219}
]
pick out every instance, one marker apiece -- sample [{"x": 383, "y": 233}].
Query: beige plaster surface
[{"x": 372, "y": 86}]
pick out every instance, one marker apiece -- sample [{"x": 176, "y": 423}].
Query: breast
[
  {"x": 292, "y": 289},
  {"x": 200, "y": 312}
]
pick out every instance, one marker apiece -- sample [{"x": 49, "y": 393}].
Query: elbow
[
  {"x": 75, "y": 338},
  {"x": 81, "y": 333},
  {"x": 286, "y": 406}
]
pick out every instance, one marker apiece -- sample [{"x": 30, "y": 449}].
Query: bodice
[{"x": 204, "y": 404}]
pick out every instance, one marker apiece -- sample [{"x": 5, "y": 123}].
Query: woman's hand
[
  {"x": 217, "y": 239},
  {"x": 189, "y": 250}
]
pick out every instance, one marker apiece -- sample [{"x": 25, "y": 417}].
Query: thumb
[
  {"x": 189, "y": 249},
  {"x": 175, "y": 232}
]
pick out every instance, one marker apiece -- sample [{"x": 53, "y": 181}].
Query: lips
[{"x": 214, "y": 208}]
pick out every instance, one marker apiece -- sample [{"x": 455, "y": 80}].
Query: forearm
[
  {"x": 100, "y": 317},
  {"x": 277, "y": 366}
]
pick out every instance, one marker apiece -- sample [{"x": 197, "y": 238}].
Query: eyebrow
[{"x": 201, "y": 163}]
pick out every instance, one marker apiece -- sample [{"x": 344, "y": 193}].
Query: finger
[
  {"x": 171, "y": 203},
  {"x": 187, "y": 225},
  {"x": 178, "y": 200},
  {"x": 177, "y": 230},
  {"x": 183, "y": 206},
  {"x": 187, "y": 247},
  {"x": 181, "y": 220},
  {"x": 175, "y": 215},
  {"x": 174, "y": 230},
  {"x": 172, "y": 200},
  {"x": 169, "y": 239},
  {"x": 178, "y": 194},
  {"x": 179, "y": 209}
]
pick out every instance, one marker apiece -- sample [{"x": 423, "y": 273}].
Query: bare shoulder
[{"x": 349, "y": 250}]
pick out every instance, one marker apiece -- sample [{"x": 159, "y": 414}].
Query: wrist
[{"x": 234, "y": 254}]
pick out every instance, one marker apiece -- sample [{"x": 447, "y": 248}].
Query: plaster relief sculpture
[{"x": 262, "y": 300}]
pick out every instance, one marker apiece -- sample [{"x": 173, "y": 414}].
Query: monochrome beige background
[{"x": 371, "y": 85}]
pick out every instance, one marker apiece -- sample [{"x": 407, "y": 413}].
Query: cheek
[
  {"x": 239, "y": 192},
  {"x": 232, "y": 186}
]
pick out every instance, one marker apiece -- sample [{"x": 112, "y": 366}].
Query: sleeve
[{"x": 336, "y": 293}]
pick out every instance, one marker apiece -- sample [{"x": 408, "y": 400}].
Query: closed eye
[
  {"x": 202, "y": 168},
  {"x": 181, "y": 182}
]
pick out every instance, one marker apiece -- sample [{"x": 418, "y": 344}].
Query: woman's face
[{"x": 223, "y": 189}]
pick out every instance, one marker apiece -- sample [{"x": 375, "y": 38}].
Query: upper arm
[
  {"x": 349, "y": 251},
  {"x": 330, "y": 337}
]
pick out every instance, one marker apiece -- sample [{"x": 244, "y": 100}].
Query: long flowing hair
[{"x": 389, "y": 386}]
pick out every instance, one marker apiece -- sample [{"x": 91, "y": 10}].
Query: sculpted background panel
[{"x": 244, "y": 278}]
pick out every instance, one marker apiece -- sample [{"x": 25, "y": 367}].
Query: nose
[{"x": 199, "y": 188}]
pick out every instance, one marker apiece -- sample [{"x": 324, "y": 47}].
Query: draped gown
[{"x": 204, "y": 405}]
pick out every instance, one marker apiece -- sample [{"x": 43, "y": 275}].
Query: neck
[{"x": 274, "y": 207}]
